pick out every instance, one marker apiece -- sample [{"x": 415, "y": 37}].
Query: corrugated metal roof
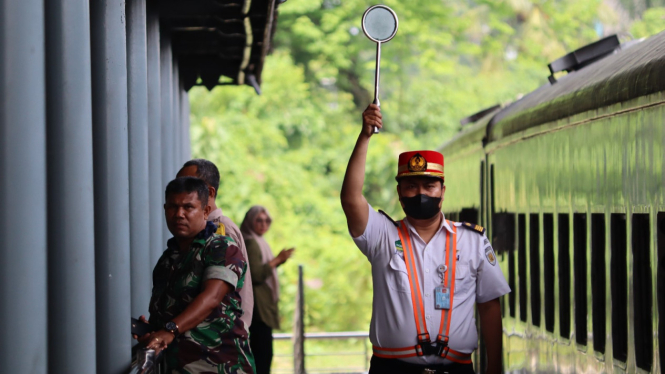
[{"x": 215, "y": 38}]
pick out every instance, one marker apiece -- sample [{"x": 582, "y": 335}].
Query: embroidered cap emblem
[{"x": 417, "y": 163}]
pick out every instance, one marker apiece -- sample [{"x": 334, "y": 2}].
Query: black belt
[{"x": 379, "y": 365}]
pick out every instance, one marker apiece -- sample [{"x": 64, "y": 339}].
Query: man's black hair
[
  {"x": 205, "y": 170},
  {"x": 188, "y": 185}
]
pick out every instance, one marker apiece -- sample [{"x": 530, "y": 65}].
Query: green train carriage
[{"x": 568, "y": 181}]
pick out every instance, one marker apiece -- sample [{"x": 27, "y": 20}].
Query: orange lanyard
[{"x": 414, "y": 282}]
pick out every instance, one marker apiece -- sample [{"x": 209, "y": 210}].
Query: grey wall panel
[
  {"x": 23, "y": 292},
  {"x": 166, "y": 73},
  {"x": 71, "y": 256},
  {"x": 187, "y": 148},
  {"x": 139, "y": 205},
  {"x": 175, "y": 110},
  {"x": 109, "y": 100},
  {"x": 155, "y": 138}
]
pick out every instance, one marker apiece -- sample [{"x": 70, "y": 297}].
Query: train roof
[
  {"x": 634, "y": 70},
  {"x": 472, "y": 135}
]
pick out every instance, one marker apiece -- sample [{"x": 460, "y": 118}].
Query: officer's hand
[{"x": 371, "y": 117}]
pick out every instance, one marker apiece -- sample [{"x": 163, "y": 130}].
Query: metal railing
[
  {"x": 364, "y": 353},
  {"x": 361, "y": 335},
  {"x": 144, "y": 361}
]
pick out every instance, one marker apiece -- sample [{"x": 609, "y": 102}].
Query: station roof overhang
[{"x": 219, "y": 42}]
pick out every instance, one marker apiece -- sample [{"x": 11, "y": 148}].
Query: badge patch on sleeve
[
  {"x": 489, "y": 253},
  {"x": 398, "y": 246}
]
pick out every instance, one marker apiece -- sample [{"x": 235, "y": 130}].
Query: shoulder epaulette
[
  {"x": 389, "y": 218},
  {"x": 472, "y": 226}
]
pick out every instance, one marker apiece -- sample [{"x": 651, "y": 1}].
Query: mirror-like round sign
[{"x": 380, "y": 23}]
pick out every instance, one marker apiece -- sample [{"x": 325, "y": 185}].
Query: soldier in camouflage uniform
[{"x": 195, "y": 305}]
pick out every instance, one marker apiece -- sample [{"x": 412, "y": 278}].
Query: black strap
[
  {"x": 389, "y": 217},
  {"x": 379, "y": 365}
]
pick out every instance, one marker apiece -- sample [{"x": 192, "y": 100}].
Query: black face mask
[{"x": 421, "y": 206}]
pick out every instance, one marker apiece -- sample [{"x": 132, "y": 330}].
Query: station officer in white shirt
[{"x": 428, "y": 273}]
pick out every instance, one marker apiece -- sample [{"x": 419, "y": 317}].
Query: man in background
[{"x": 208, "y": 172}]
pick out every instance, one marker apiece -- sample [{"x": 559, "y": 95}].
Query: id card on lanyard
[{"x": 441, "y": 297}]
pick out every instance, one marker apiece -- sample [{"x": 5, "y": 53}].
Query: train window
[
  {"x": 641, "y": 236},
  {"x": 511, "y": 283},
  {"x": 548, "y": 269},
  {"x": 483, "y": 203},
  {"x": 469, "y": 215},
  {"x": 534, "y": 259},
  {"x": 503, "y": 233},
  {"x": 661, "y": 286},
  {"x": 579, "y": 268},
  {"x": 521, "y": 264},
  {"x": 491, "y": 196},
  {"x": 564, "y": 275},
  {"x": 598, "y": 280},
  {"x": 503, "y": 241},
  {"x": 619, "y": 286}
]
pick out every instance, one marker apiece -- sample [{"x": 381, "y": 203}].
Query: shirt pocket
[
  {"x": 463, "y": 279},
  {"x": 397, "y": 277}
]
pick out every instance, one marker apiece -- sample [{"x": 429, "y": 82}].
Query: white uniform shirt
[{"x": 476, "y": 280}]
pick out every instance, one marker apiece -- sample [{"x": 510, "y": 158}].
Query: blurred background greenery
[{"x": 287, "y": 149}]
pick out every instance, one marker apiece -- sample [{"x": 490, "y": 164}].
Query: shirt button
[
  {"x": 426, "y": 270},
  {"x": 427, "y": 316},
  {"x": 427, "y": 295}
]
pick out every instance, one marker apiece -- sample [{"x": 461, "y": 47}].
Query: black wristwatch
[{"x": 172, "y": 327}]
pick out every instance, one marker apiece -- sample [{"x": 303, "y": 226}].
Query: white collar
[{"x": 444, "y": 224}]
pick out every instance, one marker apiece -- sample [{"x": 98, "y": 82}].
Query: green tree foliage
[
  {"x": 287, "y": 149},
  {"x": 652, "y": 22}
]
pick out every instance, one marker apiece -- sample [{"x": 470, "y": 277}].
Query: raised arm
[{"x": 353, "y": 201}]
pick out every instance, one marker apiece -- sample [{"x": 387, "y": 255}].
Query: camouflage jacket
[{"x": 219, "y": 344}]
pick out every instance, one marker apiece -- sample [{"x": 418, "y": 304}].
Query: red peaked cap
[{"x": 420, "y": 163}]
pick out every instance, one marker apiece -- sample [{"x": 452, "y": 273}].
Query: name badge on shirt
[{"x": 441, "y": 297}]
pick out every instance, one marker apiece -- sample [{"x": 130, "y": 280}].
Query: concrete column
[
  {"x": 175, "y": 107},
  {"x": 23, "y": 294},
  {"x": 139, "y": 184},
  {"x": 166, "y": 73},
  {"x": 71, "y": 214},
  {"x": 156, "y": 181},
  {"x": 109, "y": 100},
  {"x": 184, "y": 104}
]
